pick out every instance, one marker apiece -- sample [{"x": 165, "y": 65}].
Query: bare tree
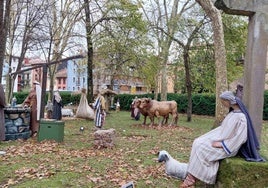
[
  {"x": 186, "y": 60},
  {"x": 4, "y": 25},
  {"x": 89, "y": 30},
  {"x": 25, "y": 18},
  {"x": 58, "y": 29}
]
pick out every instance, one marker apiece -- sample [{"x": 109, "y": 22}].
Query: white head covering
[
  {"x": 36, "y": 82},
  {"x": 57, "y": 96},
  {"x": 228, "y": 95}
]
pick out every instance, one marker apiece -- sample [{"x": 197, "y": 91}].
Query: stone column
[
  {"x": 256, "y": 54},
  {"x": 254, "y": 69}
]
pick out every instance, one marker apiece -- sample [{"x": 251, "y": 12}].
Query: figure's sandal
[{"x": 189, "y": 182}]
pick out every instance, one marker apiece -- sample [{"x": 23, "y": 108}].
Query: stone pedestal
[{"x": 104, "y": 138}]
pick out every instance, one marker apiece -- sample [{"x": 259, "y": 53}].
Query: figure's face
[{"x": 226, "y": 103}]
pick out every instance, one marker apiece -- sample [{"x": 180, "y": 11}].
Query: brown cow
[
  {"x": 137, "y": 103},
  {"x": 145, "y": 113},
  {"x": 159, "y": 108}
]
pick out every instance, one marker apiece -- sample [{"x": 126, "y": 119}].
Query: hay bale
[{"x": 104, "y": 138}]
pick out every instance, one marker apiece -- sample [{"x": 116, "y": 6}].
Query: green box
[{"x": 51, "y": 130}]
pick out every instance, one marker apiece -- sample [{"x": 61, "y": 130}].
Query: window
[{"x": 138, "y": 88}]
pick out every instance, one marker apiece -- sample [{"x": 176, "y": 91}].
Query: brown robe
[
  {"x": 2, "y": 115},
  {"x": 31, "y": 101}
]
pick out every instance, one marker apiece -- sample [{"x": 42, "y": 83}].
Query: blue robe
[{"x": 249, "y": 150}]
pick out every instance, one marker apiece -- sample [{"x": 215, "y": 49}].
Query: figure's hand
[{"x": 216, "y": 144}]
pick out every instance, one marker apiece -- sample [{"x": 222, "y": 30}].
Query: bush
[
  {"x": 265, "y": 106},
  {"x": 21, "y": 96},
  {"x": 203, "y": 104},
  {"x": 67, "y": 97}
]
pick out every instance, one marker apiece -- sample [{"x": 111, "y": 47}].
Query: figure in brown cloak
[{"x": 33, "y": 101}]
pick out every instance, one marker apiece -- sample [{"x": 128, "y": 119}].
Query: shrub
[{"x": 203, "y": 104}]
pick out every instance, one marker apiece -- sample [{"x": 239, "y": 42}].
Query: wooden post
[{"x": 43, "y": 95}]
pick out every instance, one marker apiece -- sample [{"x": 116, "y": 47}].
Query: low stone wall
[
  {"x": 17, "y": 123},
  {"x": 236, "y": 172}
]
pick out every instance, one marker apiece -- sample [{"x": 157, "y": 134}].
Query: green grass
[{"x": 76, "y": 163}]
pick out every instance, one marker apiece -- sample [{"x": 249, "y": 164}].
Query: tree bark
[
  {"x": 89, "y": 52},
  {"x": 4, "y": 21},
  {"x": 188, "y": 83},
  {"x": 220, "y": 55}
]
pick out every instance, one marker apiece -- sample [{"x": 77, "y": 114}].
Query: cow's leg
[
  {"x": 173, "y": 119},
  {"x": 159, "y": 121},
  {"x": 152, "y": 120},
  {"x": 158, "y": 118},
  {"x": 165, "y": 118},
  {"x": 176, "y": 118},
  {"x": 171, "y": 122},
  {"x": 144, "y": 121}
]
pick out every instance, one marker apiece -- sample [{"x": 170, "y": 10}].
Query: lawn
[{"x": 76, "y": 163}]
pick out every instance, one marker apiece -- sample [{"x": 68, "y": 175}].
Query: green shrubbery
[
  {"x": 203, "y": 104},
  {"x": 67, "y": 97}
]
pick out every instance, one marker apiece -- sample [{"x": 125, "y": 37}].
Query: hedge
[
  {"x": 203, "y": 104},
  {"x": 67, "y": 97}
]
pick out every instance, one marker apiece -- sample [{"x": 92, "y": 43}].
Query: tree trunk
[
  {"x": 164, "y": 82},
  {"x": 9, "y": 81},
  {"x": 220, "y": 55},
  {"x": 89, "y": 53},
  {"x": 4, "y": 22},
  {"x": 188, "y": 83}
]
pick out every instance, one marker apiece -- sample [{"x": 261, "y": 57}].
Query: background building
[{"x": 71, "y": 76}]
